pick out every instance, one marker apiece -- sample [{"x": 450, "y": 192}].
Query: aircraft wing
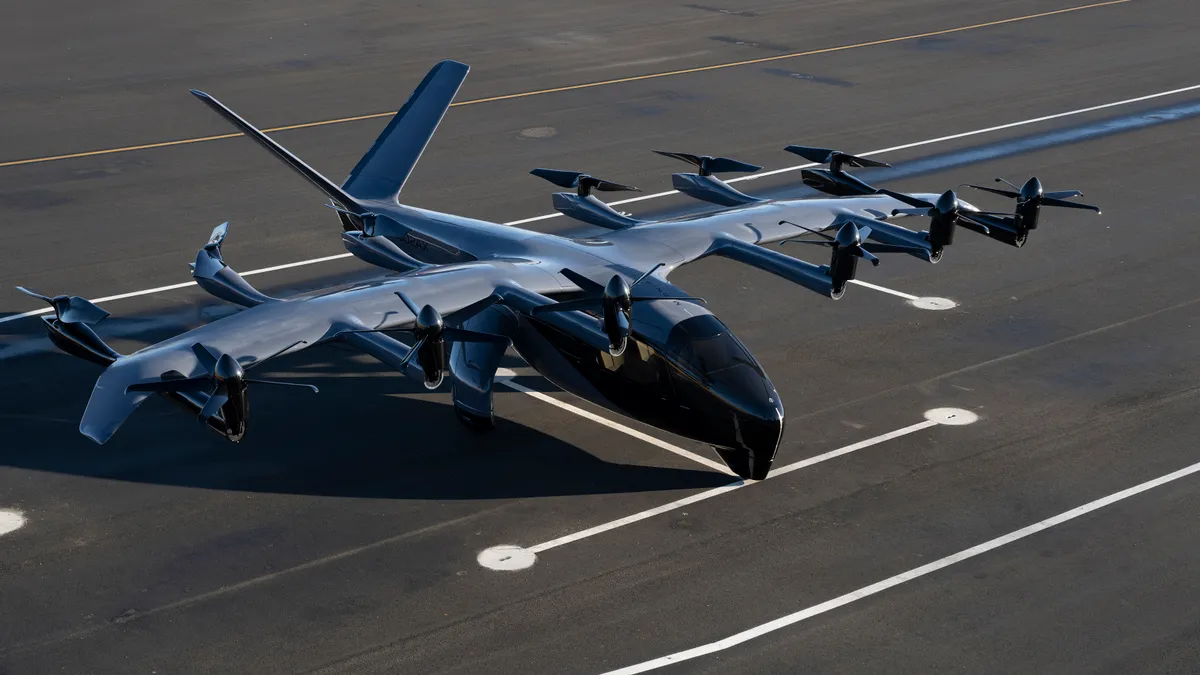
[{"x": 287, "y": 326}]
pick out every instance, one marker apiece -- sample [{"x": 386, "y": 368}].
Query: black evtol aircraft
[{"x": 596, "y": 316}]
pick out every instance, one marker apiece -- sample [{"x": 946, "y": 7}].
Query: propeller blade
[
  {"x": 277, "y": 383},
  {"x": 206, "y": 358},
  {"x": 874, "y": 247},
  {"x": 177, "y": 384},
  {"x": 996, "y": 191},
  {"x": 681, "y": 156},
  {"x": 907, "y": 199},
  {"x": 864, "y": 253},
  {"x": 861, "y": 162},
  {"x": 1063, "y": 194},
  {"x": 213, "y": 406},
  {"x": 683, "y": 298},
  {"x": 911, "y": 212},
  {"x": 1050, "y": 201},
  {"x": 818, "y": 155},
  {"x": 645, "y": 276},
  {"x": 973, "y": 225},
  {"x": 259, "y": 362},
  {"x": 412, "y": 306},
  {"x": 580, "y": 305},
  {"x": 79, "y": 310},
  {"x": 461, "y": 316},
  {"x": 864, "y": 232},
  {"x": 727, "y": 165},
  {"x": 806, "y": 229},
  {"x": 559, "y": 177},
  {"x": 585, "y": 284},
  {"x": 609, "y": 186},
  {"x": 39, "y": 296},
  {"x": 412, "y": 351},
  {"x": 463, "y": 335}
]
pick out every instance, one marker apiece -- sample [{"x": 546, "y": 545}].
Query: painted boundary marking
[
  {"x": 687, "y": 454},
  {"x": 512, "y": 558},
  {"x": 718, "y": 491},
  {"x": 903, "y": 577},
  {"x": 573, "y": 87},
  {"x": 657, "y": 195}
]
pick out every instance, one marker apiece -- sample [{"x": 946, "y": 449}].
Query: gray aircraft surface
[{"x": 596, "y": 316}]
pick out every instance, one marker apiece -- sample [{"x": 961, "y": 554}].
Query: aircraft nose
[
  {"x": 757, "y": 432},
  {"x": 761, "y": 434}
]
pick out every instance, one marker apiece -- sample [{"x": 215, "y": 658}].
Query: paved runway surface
[{"x": 342, "y": 535}]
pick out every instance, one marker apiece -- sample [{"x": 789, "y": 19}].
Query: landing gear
[{"x": 473, "y": 420}]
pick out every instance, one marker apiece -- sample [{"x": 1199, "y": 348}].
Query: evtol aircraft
[{"x": 596, "y": 315}]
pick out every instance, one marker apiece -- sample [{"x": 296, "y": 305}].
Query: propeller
[
  {"x": 707, "y": 165},
  {"x": 613, "y": 301},
  {"x": 850, "y": 238},
  {"x": 1031, "y": 197},
  {"x": 70, "y": 308},
  {"x": 224, "y": 381},
  {"x": 834, "y": 158},
  {"x": 1033, "y": 190},
  {"x": 947, "y": 213},
  {"x": 432, "y": 332},
  {"x": 582, "y": 182}
]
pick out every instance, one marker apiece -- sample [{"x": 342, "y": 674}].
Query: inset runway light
[{"x": 507, "y": 558}]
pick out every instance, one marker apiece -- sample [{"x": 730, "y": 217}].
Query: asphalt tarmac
[{"x": 341, "y": 536}]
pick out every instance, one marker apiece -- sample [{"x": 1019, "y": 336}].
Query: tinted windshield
[{"x": 705, "y": 345}]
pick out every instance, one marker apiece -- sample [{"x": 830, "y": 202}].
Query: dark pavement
[{"x": 341, "y": 535}]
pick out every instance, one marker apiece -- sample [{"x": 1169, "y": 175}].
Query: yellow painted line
[{"x": 573, "y": 87}]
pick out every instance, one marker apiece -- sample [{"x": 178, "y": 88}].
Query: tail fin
[{"x": 383, "y": 170}]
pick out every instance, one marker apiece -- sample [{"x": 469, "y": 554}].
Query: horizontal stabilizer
[{"x": 382, "y": 172}]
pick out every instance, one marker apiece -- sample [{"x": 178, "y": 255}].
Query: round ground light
[
  {"x": 506, "y": 558},
  {"x": 955, "y": 417},
  {"x": 10, "y": 520},
  {"x": 935, "y": 304}
]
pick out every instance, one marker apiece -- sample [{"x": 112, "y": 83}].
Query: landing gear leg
[{"x": 473, "y": 420}]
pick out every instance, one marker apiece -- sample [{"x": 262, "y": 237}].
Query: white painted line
[
  {"x": 658, "y": 195},
  {"x": 881, "y": 289},
  {"x": 903, "y": 577},
  {"x": 529, "y": 554},
  {"x": 10, "y": 521},
  {"x": 637, "y": 517},
  {"x": 688, "y": 454}
]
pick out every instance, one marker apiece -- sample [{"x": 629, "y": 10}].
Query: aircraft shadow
[{"x": 359, "y": 437}]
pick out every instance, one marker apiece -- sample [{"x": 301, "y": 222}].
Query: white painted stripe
[
  {"x": 903, "y": 577},
  {"x": 546, "y": 398},
  {"x": 658, "y": 195},
  {"x": 881, "y": 289},
  {"x": 718, "y": 491}
]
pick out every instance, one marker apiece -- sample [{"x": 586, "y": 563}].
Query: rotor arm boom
[{"x": 813, "y": 277}]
